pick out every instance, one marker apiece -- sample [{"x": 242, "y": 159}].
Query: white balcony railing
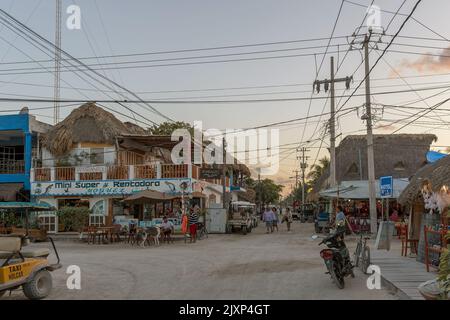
[{"x": 115, "y": 172}]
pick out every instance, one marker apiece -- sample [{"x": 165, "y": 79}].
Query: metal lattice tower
[{"x": 57, "y": 74}]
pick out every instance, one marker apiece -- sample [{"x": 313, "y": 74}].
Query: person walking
[
  {"x": 288, "y": 218},
  {"x": 193, "y": 220},
  {"x": 275, "y": 219},
  {"x": 268, "y": 218}
]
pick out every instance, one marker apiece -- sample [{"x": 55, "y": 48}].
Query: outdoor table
[{"x": 105, "y": 232}]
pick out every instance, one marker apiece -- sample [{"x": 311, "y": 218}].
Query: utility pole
[
  {"x": 303, "y": 166},
  {"x": 370, "y": 155},
  {"x": 296, "y": 178},
  {"x": 224, "y": 173},
  {"x": 332, "y": 124},
  {"x": 57, "y": 76},
  {"x": 260, "y": 191}
]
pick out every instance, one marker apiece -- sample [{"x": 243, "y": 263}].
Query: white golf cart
[{"x": 242, "y": 217}]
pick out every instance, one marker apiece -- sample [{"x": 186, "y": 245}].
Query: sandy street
[{"x": 281, "y": 265}]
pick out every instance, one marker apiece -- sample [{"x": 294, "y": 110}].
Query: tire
[
  {"x": 339, "y": 281},
  {"x": 365, "y": 259},
  {"x": 39, "y": 287},
  {"x": 357, "y": 254},
  {"x": 244, "y": 230}
]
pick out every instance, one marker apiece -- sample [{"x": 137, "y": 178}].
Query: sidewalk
[{"x": 401, "y": 274}]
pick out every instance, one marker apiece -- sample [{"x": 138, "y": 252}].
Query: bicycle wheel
[
  {"x": 365, "y": 259},
  {"x": 357, "y": 254}
]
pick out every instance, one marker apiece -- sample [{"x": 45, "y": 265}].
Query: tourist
[
  {"x": 193, "y": 220},
  {"x": 288, "y": 218},
  {"x": 275, "y": 219},
  {"x": 268, "y": 218},
  {"x": 167, "y": 229}
]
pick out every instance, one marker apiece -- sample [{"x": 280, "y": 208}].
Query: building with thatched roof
[
  {"x": 435, "y": 174},
  {"x": 92, "y": 158},
  {"x": 398, "y": 155}
]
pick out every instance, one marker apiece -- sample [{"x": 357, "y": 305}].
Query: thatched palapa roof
[
  {"x": 87, "y": 123},
  {"x": 437, "y": 174}
]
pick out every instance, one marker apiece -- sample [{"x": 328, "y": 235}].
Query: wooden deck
[{"x": 403, "y": 274}]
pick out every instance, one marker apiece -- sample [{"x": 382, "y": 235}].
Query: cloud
[{"x": 441, "y": 62}]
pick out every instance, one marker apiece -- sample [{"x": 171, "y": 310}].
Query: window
[
  {"x": 399, "y": 166},
  {"x": 48, "y": 222},
  {"x": 97, "y": 218},
  {"x": 97, "y": 155}
]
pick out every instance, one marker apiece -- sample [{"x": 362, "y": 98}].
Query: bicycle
[
  {"x": 202, "y": 231},
  {"x": 362, "y": 254}
]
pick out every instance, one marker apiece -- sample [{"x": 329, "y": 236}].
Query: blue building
[{"x": 19, "y": 142}]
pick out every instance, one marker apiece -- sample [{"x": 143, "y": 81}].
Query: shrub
[{"x": 73, "y": 218}]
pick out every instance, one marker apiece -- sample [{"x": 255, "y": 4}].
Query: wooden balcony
[
  {"x": 116, "y": 172},
  {"x": 145, "y": 171}
]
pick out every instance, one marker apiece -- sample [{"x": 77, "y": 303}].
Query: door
[{"x": 218, "y": 219}]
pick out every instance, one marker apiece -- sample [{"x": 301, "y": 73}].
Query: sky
[{"x": 112, "y": 27}]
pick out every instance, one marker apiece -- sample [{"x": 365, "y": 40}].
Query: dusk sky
[{"x": 111, "y": 27}]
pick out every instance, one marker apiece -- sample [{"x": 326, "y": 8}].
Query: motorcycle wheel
[
  {"x": 365, "y": 260},
  {"x": 339, "y": 281},
  {"x": 357, "y": 254}
]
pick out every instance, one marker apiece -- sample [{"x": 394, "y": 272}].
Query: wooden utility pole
[
  {"x": 370, "y": 154},
  {"x": 332, "y": 124},
  {"x": 303, "y": 166},
  {"x": 224, "y": 173}
]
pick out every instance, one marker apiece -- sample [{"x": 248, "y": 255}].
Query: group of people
[{"x": 272, "y": 218}]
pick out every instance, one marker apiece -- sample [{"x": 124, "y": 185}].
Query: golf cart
[
  {"x": 307, "y": 213},
  {"x": 29, "y": 269},
  {"x": 242, "y": 217}
]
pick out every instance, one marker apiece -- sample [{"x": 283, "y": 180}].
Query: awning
[
  {"x": 243, "y": 204},
  {"x": 197, "y": 194},
  {"x": 32, "y": 206},
  {"x": 433, "y": 156},
  {"x": 150, "y": 196},
  {"x": 360, "y": 189}
]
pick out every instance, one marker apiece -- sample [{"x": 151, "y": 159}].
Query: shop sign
[
  {"x": 96, "y": 169},
  {"x": 386, "y": 187},
  {"x": 110, "y": 187},
  {"x": 210, "y": 173},
  {"x": 235, "y": 188}
]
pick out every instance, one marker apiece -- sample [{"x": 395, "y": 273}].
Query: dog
[
  {"x": 141, "y": 238},
  {"x": 155, "y": 234}
]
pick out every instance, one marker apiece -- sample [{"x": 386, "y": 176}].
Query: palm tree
[{"x": 317, "y": 170}]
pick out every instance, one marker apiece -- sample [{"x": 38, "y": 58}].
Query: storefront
[
  {"x": 353, "y": 197},
  {"x": 105, "y": 198}
]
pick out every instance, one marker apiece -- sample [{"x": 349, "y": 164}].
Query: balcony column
[
  {"x": 189, "y": 173},
  {"x": 158, "y": 170},
  {"x": 32, "y": 175},
  {"x": 52, "y": 174},
  {"x": 27, "y": 158},
  {"x": 131, "y": 174},
  {"x": 105, "y": 174}
]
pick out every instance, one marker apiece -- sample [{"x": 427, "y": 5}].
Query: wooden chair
[
  {"x": 115, "y": 233},
  {"x": 92, "y": 234},
  {"x": 406, "y": 242}
]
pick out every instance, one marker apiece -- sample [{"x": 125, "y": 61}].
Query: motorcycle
[{"x": 337, "y": 258}]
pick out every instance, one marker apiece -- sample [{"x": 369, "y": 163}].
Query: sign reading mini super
[{"x": 110, "y": 187}]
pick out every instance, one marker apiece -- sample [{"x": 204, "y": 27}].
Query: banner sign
[
  {"x": 386, "y": 187},
  {"x": 108, "y": 187},
  {"x": 90, "y": 169},
  {"x": 207, "y": 173}
]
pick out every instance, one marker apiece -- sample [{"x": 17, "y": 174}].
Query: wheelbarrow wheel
[{"x": 39, "y": 287}]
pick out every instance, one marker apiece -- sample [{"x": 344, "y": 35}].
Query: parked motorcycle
[{"x": 337, "y": 258}]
